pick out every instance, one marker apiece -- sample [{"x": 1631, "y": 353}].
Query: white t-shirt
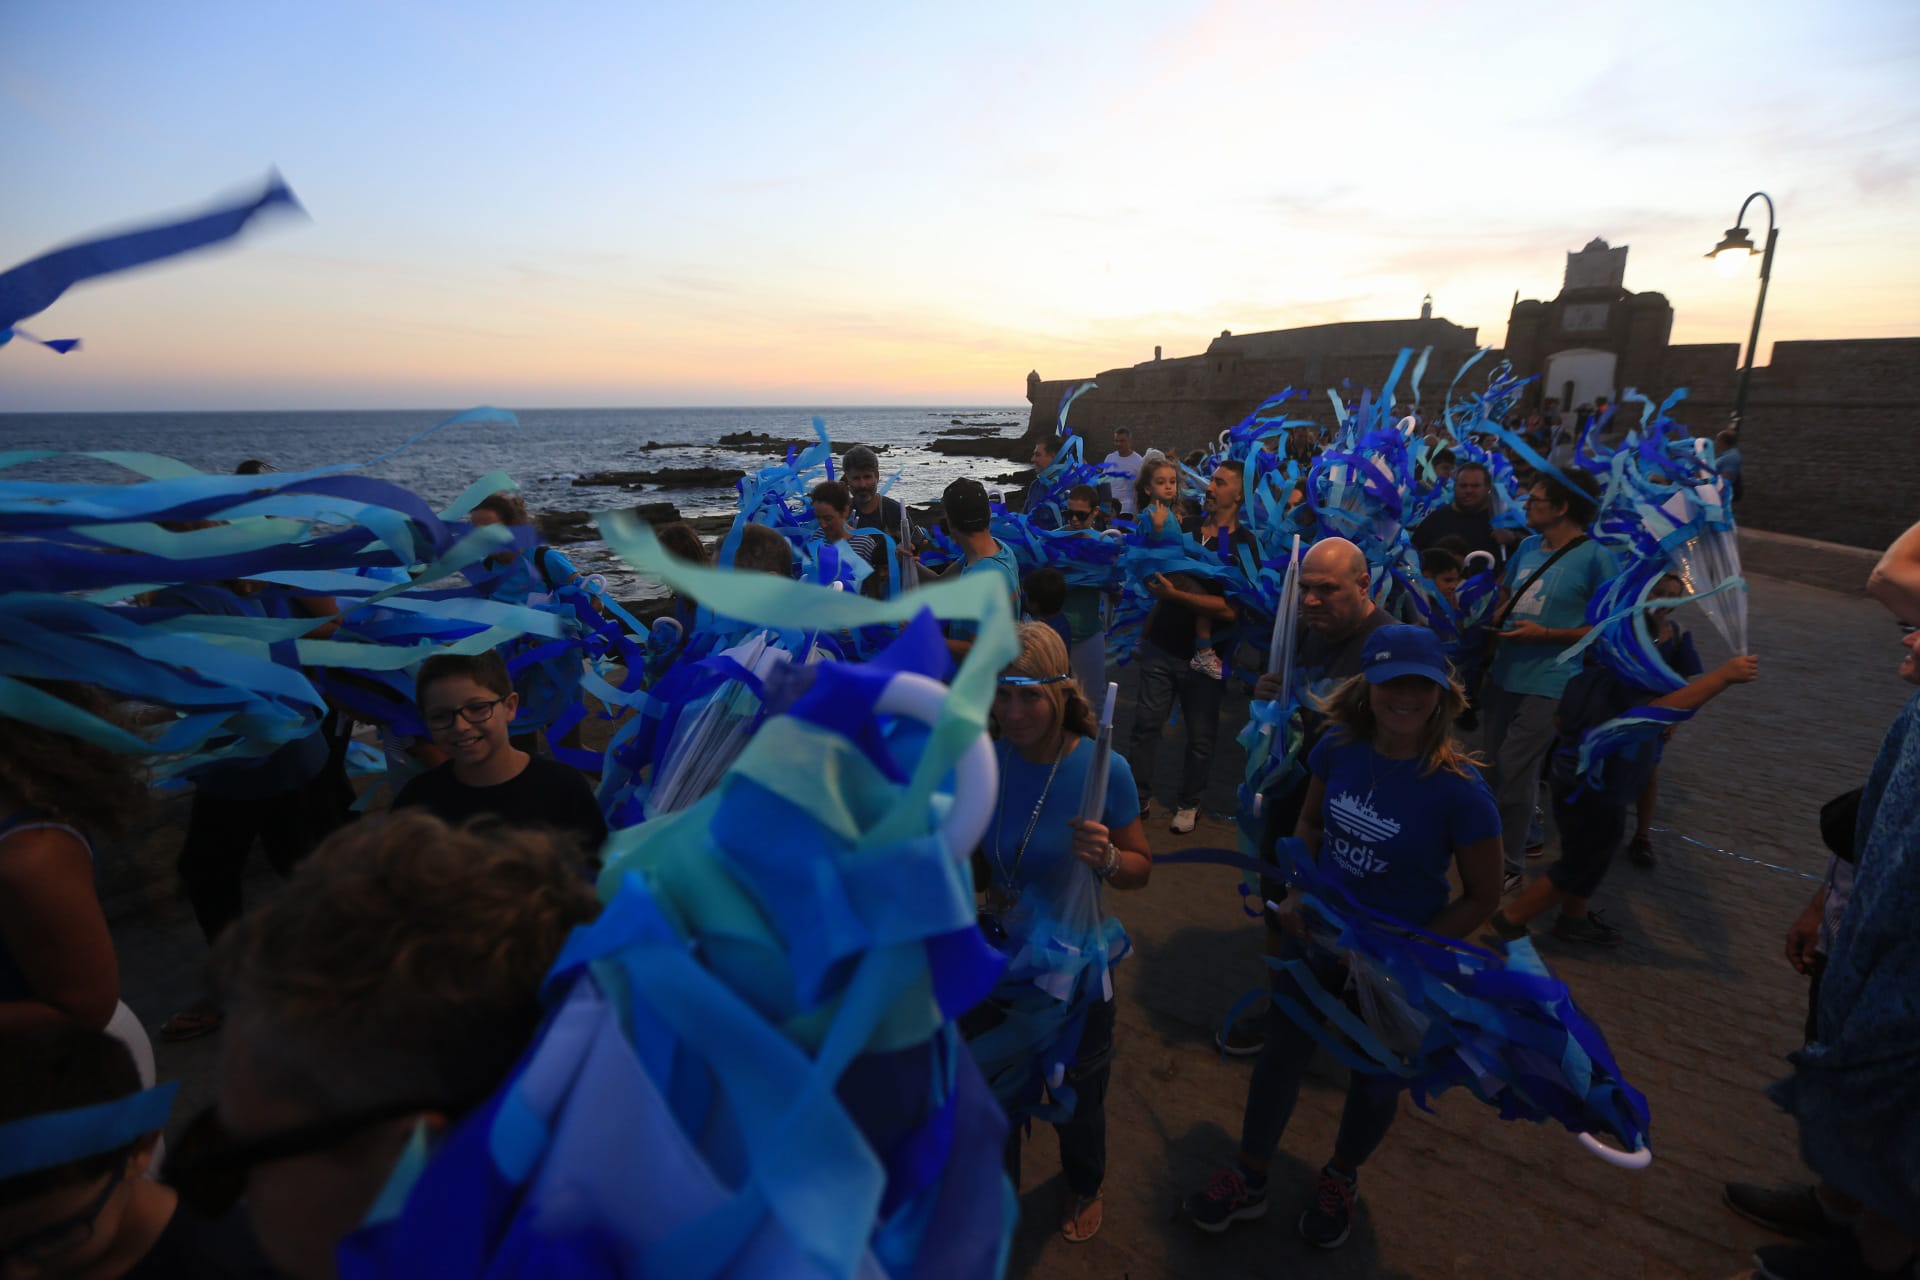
[{"x": 1123, "y": 489}]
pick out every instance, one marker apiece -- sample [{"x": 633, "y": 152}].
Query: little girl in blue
[
  {"x": 1391, "y": 806},
  {"x": 1038, "y": 844}
]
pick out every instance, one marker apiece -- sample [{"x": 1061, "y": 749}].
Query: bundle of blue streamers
[
  {"x": 77, "y": 558},
  {"x": 1060, "y": 947},
  {"x": 1439, "y": 1012},
  {"x": 750, "y": 1067},
  {"x": 1664, "y": 510}
]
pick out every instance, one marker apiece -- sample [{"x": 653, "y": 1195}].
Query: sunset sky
[{"x": 833, "y": 204}]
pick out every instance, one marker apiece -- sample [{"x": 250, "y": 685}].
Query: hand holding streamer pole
[{"x": 1093, "y": 800}]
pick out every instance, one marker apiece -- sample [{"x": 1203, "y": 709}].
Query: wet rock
[
  {"x": 670, "y": 477},
  {"x": 559, "y": 527},
  {"x": 1011, "y": 448}
]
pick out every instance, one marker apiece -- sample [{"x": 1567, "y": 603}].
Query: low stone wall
[{"x": 1828, "y": 565}]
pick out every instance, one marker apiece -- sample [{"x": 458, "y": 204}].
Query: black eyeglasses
[
  {"x": 1078, "y": 517},
  {"x": 48, "y": 1243},
  {"x": 209, "y": 1166},
  {"x": 472, "y": 713}
]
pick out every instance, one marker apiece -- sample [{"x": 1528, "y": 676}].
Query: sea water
[{"x": 544, "y": 454}]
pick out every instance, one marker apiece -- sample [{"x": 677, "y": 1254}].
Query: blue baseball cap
[{"x": 1398, "y": 651}]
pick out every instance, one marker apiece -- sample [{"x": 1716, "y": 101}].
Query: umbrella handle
[
  {"x": 1636, "y": 1159},
  {"x": 976, "y": 777}
]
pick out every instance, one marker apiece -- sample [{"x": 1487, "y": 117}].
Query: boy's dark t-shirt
[
  {"x": 1593, "y": 697},
  {"x": 545, "y": 794},
  {"x": 1678, "y": 652},
  {"x": 1058, "y": 622}
]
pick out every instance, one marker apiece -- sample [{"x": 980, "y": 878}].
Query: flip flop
[
  {"x": 191, "y": 1024},
  {"x": 1071, "y": 1229}
]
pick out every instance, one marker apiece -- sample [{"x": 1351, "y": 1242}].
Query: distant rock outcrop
[
  {"x": 670, "y": 477},
  {"x": 1011, "y": 448},
  {"x": 577, "y": 526}
]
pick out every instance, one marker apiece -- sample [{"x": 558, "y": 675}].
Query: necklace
[{"x": 999, "y": 858}]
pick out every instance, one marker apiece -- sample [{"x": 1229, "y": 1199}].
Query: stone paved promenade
[{"x": 1699, "y": 1006}]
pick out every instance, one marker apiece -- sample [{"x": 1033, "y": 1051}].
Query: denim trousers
[
  {"x": 1083, "y": 1136},
  {"x": 1164, "y": 677},
  {"x": 1372, "y": 1100}
]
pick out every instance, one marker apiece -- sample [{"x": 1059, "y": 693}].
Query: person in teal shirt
[
  {"x": 967, "y": 513},
  {"x": 1543, "y": 610}
]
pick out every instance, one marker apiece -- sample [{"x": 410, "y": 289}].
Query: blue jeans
[
  {"x": 1372, "y": 1100},
  {"x": 1083, "y": 1137},
  {"x": 1162, "y": 677}
]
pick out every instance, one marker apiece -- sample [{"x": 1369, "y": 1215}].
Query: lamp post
[{"x": 1735, "y": 240}]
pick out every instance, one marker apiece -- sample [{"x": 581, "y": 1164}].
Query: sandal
[
  {"x": 190, "y": 1024},
  {"x": 1074, "y": 1228}
]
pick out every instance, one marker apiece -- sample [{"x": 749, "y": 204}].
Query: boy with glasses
[{"x": 468, "y": 704}]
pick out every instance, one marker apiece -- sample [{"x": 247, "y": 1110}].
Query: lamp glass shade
[{"x": 1736, "y": 239}]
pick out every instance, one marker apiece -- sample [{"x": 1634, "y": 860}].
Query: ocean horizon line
[{"x": 581, "y": 408}]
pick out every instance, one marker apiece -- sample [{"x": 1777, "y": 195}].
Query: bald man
[{"x": 1337, "y": 614}]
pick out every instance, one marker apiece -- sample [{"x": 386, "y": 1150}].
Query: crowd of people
[{"x": 1431, "y": 728}]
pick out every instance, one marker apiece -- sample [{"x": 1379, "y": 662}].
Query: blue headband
[
  {"x": 1033, "y": 680},
  {"x": 61, "y": 1137}
]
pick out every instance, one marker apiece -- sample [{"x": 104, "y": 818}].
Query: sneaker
[
  {"x": 1207, "y": 663},
  {"x": 1183, "y": 820},
  {"x": 1513, "y": 884},
  {"x": 1792, "y": 1210},
  {"x": 1640, "y": 852},
  {"x": 1837, "y": 1258},
  {"x": 1537, "y": 851},
  {"x": 1226, "y": 1199},
  {"x": 1589, "y": 928},
  {"x": 1243, "y": 1039},
  {"x": 1328, "y": 1221}
]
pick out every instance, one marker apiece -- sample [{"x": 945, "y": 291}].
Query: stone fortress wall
[{"x": 1831, "y": 441}]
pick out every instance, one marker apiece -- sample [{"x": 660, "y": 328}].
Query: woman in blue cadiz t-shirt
[{"x": 1392, "y": 805}]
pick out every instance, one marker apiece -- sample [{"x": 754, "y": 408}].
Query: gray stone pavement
[{"x": 1699, "y": 1007}]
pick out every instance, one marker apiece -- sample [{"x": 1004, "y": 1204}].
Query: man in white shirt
[{"x": 1122, "y": 467}]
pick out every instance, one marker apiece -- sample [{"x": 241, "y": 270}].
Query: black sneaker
[
  {"x": 1513, "y": 884},
  {"x": 1226, "y": 1199},
  {"x": 1244, "y": 1039},
  {"x": 1790, "y": 1210},
  {"x": 1328, "y": 1221},
  {"x": 1640, "y": 851},
  {"x": 1590, "y": 929},
  {"x": 1836, "y": 1258}
]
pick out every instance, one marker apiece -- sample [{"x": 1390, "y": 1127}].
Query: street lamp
[{"x": 1734, "y": 242}]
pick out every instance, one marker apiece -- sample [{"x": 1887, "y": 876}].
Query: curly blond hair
[{"x": 403, "y": 961}]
